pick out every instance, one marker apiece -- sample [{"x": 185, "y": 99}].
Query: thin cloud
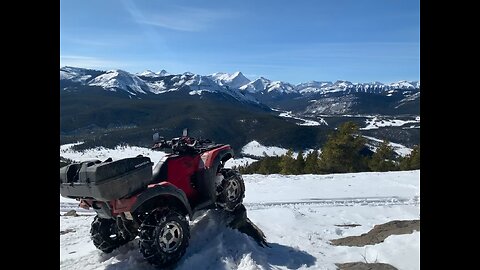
[
  {"x": 189, "y": 19},
  {"x": 89, "y": 42},
  {"x": 87, "y": 62}
]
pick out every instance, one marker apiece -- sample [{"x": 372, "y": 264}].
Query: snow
[
  {"x": 258, "y": 85},
  {"x": 405, "y": 85},
  {"x": 254, "y": 148},
  {"x": 306, "y": 122},
  {"x": 235, "y": 80},
  {"x": 148, "y": 73},
  {"x": 239, "y": 162},
  {"x": 151, "y": 74},
  {"x": 376, "y": 122},
  {"x": 117, "y": 79},
  {"x": 281, "y": 87},
  {"x": 298, "y": 215},
  {"x": 120, "y": 79},
  {"x": 199, "y": 84},
  {"x": 400, "y": 149},
  {"x": 103, "y": 153},
  {"x": 74, "y": 74},
  {"x": 265, "y": 85}
]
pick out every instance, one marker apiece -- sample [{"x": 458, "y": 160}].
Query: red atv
[{"x": 132, "y": 200}]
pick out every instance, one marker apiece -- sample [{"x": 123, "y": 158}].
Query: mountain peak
[
  {"x": 163, "y": 72},
  {"x": 147, "y": 73},
  {"x": 234, "y": 80}
]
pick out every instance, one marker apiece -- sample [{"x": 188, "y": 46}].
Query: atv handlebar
[{"x": 181, "y": 144}]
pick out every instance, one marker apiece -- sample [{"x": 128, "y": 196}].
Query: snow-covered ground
[
  {"x": 306, "y": 122},
  {"x": 400, "y": 149},
  {"x": 298, "y": 214},
  {"x": 375, "y": 123}
]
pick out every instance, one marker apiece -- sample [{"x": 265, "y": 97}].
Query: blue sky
[{"x": 292, "y": 41}]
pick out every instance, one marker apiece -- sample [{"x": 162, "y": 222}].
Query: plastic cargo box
[{"x": 105, "y": 181}]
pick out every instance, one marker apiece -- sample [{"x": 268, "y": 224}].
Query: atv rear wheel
[
  {"x": 164, "y": 237},
  {"x": 232, "y": 190},
  {"x": 105, "y": 235}
]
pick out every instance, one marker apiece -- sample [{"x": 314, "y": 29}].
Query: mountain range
[
  {"x": 162, "y": 81},
  {"x": 230, "y": 107}
]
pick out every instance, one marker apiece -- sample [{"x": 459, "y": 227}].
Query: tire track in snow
[
  {"x": 317, "y": 202},
  {"x": 333, "y": 202}
]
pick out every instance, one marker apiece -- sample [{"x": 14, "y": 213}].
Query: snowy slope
[
  {"x": 119, "y": 79},
  {"x": 199, "y": 84},
  {"x": 256, "y": 86},
  {"x": 151, "y": 74},
  {"x": 256, "y": 149},
  {"x": 400, "y": 149},
  {"x": 298, "y": 214},
  {"x": 235, "y": 80},
  {"x": 263, "y": 85},
  {"x": 74, "y": 74}
]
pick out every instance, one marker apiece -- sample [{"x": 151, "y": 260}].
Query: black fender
[{"x": 165, "y": 193}]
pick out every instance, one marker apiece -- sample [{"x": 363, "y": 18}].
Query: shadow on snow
[{"x": 215, "y": 246}]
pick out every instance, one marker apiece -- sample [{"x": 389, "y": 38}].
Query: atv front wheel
[
  {"x": 232, "y": 190},
  {"x": 105, "y": 235},
  {"x": 164, "y": 237}
]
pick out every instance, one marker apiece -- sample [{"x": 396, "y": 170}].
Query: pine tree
[
  {"x": 383, "y": 159},
  {"x": 269, "y": 165},
  {"x": 311, "y": 163},
  {"x": 411, "y": 161},
  {"x": 299, "y": 163},
  {"x": 287, "y": 163},
  {"x": 341, "y": 152}
]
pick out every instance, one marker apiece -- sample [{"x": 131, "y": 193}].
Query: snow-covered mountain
[
  {"x": 151, "y": 74},
  {"x": 119, "y": 79},
  {"x": 235, "y": 80},
  {"x": 263, "y": 85},
  {"x": 199, "y": 84},
  {"x": 155, "y": 82},
  {"x": 313, "y": 97},
  {"x": 75, "y": 74},
  {"x": 346, "y": 86},
  {"x": 149, "y": 82}
]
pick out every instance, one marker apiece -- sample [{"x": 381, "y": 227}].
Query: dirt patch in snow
[
  {"x": 364, "y": 266},
  {"x": 378, "y": 234}
]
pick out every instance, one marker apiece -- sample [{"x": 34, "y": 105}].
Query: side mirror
[
  {"x": 185, "y": 132},
  {"x": 157, "y": 138}
]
